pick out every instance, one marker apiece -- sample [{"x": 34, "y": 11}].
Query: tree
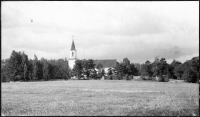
[
  {"x": 146, "y": 72},
  {"x": 160, "y": 67},
  {"x": 126, "y": 65},
  {"x": 30, "y": 69},
  {"x": 66, "y": 69},
  {"x": 189, "y": 76},
  {"x": 84, "y": 64},
  {"x": 15, "y": 66},
  {"x": 110, "y": 73},
  {"x": 91, "y": 64},
  {"x": 25, "y": 72},
  {"x": 99, "y": 74},
  {"x": 5, "y": 73},
  {"x": 155, "y": 67},
  {"x": 120, "y": 70},
  {"x": 36, "y": 71},
  {"x": 19, "y": 68},
  {"x": 24, "y": 67},
  {"x": 170, "y": 72},
  {"x": 86, "y": 72},
  {"x": 138, "y": 69},
  {"x": 126, "y": 61},
  {"x": 133, "y": 69},
  {"x": 128, "y": 68},
  {"x": 85, "y": 67},
  {"x": 102, "y": 72},
  {"x": 45, "y": 70},
  {"x": 93, "y": 74},
  {"x": 163, "y": 66},
  {"x": 171, "y": 69},
  {"x": 178, "y": 71},
  {"x": 195, "y": 67},
  {"x": 77, "y": 68},
  {"x": 99, "y": 66},
  {"x": 191, "y": 70},
  {"x": 63, "y": 69}
]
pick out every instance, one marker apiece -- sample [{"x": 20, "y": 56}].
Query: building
[
  {"x": 107, "y": 63},
  {"x": 72, "y": 56}
]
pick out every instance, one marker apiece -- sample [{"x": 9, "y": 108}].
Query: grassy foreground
[{"x": 99, "y": 97}]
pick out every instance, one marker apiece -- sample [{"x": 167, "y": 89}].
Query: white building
[
  {"x": 72, "y": 56},
  {"x": 106, "y": 63}
]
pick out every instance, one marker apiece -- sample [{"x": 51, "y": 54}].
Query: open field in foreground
[{"x": 100, "y": 97}]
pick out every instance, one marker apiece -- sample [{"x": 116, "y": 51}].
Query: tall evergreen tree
[
  {"x": 45, "y": 70},
  {"x": 15, "y": 66},
  {"x": 25, "y": 72},
  {"x": 35, "y": 68},
  {"x": 30, "y": 69}
]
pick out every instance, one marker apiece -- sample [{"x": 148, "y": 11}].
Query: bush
[
  {"x": 3, "y": 78},
  {"x": 146, "y": 78},
  {"x": 130, "y": 77},
  {"x": 115, "y": 77},
  {"x": 142, "y": 77},
  {"x": 166, "y": 79},
  {"x": 191, "y": 79},
  {"x": 105, "y": 77},
  {"x": 126, "y": 77},
  {"x": 118, "y": 77},
  {"x": 163, "y": 78},
  {"x": 160, "y": 78},
  {"x": 109, "y": 77},
  {"x": 189, "y": 76},
  {"x": 99, "y": 76}
]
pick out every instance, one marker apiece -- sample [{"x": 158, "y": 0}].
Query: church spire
[{"x": 73, "y": 45}]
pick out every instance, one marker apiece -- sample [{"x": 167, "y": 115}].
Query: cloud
[{"x": 102, "y": 30}]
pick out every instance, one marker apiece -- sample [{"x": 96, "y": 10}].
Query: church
[
  {"x": 107, "y": 63},
  {"x": 72, "y": 56}
]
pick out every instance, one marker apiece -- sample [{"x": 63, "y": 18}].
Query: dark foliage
[{"x": 19, "y": 68}]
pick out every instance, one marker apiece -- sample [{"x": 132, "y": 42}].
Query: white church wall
[
  {"x": 75, "y": 54},
  {"x": 71, "y": 63}
]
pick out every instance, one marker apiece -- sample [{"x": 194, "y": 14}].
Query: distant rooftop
[{"x": 106, "y": 62}]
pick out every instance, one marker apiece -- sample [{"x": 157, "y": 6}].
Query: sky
[{"x": 139, "y": 31}]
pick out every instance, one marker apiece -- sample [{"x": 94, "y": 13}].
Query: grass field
[{"x": 100, "y": 97}]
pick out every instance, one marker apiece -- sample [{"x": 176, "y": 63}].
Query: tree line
[
  {"x": 159, "y": 68},
  {"x": 86, "y": 69},
  {"x": 20, "y": 68},
  {"x": 188, "y": 71}
]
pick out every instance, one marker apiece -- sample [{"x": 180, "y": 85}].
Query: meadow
[{"x": 99, "y": 98}]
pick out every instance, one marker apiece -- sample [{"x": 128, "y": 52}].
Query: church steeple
[
  {"x": 73, "y": 45},
  {"x": 73, "y": 55}
]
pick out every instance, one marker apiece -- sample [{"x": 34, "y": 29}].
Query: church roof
[
  {"x": 73, "y": 46},
  {"x": 106, "y": 62}
]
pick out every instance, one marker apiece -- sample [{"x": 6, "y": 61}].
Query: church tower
[{"x": 72, "y": 56}]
